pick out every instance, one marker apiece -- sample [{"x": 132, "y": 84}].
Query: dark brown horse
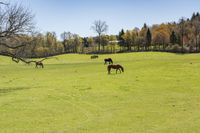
[
  {"x": 39, "y": 63},
  {"x": 94, "y": 57},
  {"x": 109, "y": 60},
  {"x": 117, "y": 67}
]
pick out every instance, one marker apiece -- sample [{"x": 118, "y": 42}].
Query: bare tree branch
[
  {"x": 17, "y": 59},
  {"x": 12, "y": 47},
  {"x": 2, "y": 3},
  {"x": 100, "y": 27},
  {"x": 16, "y": 22}
]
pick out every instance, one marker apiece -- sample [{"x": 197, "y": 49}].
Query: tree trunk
[
  {"x": 138, "y": 47},
  {"x": 99, "y": 43},
  {"x": 65, "y": 47},
  {"x": 196, "y": 44},
  {"x": 182, "y": 42}
]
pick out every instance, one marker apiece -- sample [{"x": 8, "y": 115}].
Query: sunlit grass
[{"x": 159, "y": 92}]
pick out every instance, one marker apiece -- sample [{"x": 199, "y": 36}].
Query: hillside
[{"x": 159, "y": 92}]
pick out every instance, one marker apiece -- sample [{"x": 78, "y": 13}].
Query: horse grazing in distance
[
  {"x": 94, "y": 57},
  {"x": 109, "y": 60},
  {"x": 117, "y": 67},
  {"x": 39, "y": 63}
]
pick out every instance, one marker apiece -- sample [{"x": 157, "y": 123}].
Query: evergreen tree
[
  {"x": 145, "y": 26},
  {"x": 173, "y": 38},
  {"x": 121, "y": 33},
  {"x": 121, "y": 39},
  {"x": 197, "y": 14},
  {"x": 85, "y": 42},
  {"x": 193, "y": 16},
  {"x": 148, "y": 38}
]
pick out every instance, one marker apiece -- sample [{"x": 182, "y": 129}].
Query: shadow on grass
[
  {"x": 12, "y": 89},
  {"x": 115, "y": 74}
]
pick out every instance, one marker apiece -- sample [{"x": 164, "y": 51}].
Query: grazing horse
[
  {"x": 109, "y": 60},
  {"x": 117, "y": 67},
  {"x": 39, "y": 63},
  {"x": 94, "y": 57}
]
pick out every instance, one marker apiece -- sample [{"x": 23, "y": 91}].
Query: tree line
[
  {"x": 183, "y": 36},
  {"x": 18, "y": 37}
]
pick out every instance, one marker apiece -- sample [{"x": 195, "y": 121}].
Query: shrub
[{"x": 175, "y": 48}]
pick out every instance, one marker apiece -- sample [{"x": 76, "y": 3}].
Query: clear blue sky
[{"x": 77, "y": 16}]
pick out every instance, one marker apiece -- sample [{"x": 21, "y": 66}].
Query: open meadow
[{"x": 158, "y": 92}]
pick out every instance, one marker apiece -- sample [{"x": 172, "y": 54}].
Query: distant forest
[{"x": 18, "y": 37}]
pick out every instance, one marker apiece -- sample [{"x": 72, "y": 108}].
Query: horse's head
[
  {"x": 122, "y": 69},
  {"x": 111, "y": 61}
]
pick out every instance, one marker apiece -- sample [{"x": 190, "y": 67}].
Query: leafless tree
[
  {"x": 68, "y": 38},
  {"x": 16, "y": 22},
  {"x": 100, "y": 27},
  {"x": 182, "y": 30},
  {"x": 64, "y": 37},
  {"x": 196, "y": 30}
]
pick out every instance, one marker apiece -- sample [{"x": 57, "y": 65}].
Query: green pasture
[{"x": 157, "y": 93}]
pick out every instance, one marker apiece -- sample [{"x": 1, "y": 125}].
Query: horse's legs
[
  {"x": 118, "y": 70},
  {"x": 108, "y": 71}
]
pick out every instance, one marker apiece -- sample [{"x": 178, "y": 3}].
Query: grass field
[{"x": 158, "y": 93}]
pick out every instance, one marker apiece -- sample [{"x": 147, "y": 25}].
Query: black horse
[{"x": 109, "y": 60}]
